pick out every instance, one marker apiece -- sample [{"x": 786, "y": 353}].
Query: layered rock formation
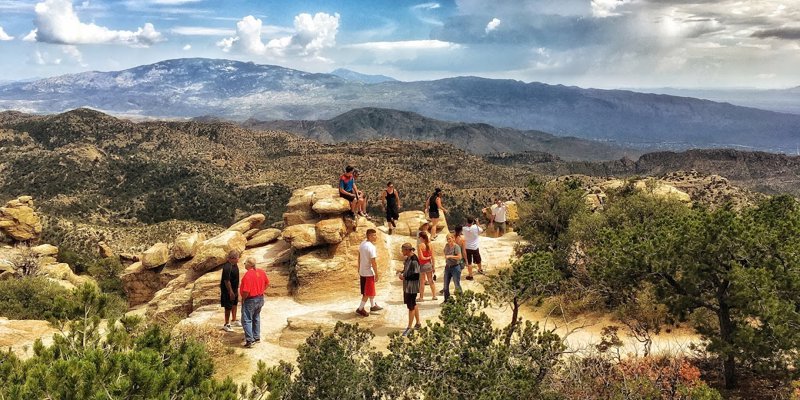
[{"x": 19, "y": 220}]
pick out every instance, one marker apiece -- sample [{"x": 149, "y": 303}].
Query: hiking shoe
[
  {"x": 407, "y": 332},
  {"x": 362, "y": 312},
  {"x": 441, "y": 291},
  {"x": 376, "y": 308},
  {"x": 236, "y": 324},
  {"x": 227, "y": 328},
  {"x": 257, "y": 340},
  {"x": 418, "y": 326},
  {"x": 248, "y": 345},
  {"x": 469, "y": 277}
]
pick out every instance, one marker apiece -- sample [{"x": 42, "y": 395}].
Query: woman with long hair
[
  {"x": 433, "y": 205},
  {"x": 426, "y": 266}
]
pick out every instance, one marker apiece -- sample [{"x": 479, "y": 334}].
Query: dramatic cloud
[
  {"x": 312, "y": 35},
  {"x": 492, "y": 25},
  {"x": 778, "y": 33},
  {"x": 56, "y": 22},
  {"x": 4, "y": 36}
]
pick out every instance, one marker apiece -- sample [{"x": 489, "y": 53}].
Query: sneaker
[
  {"x": 441, "y": 291},
  {"x": 362, "y": 312},
  {"x": 376, "y": 308},
  {"x": 257, "y": 341},
  {"x": 418, "y": 326},
  {"x": 480, "y": 271},
  {"x": 248, "y": 345},
  {"x": 407, "y": 332},
  {"x": 227, "y": 328},
  {"x": 237, "y": 324},
  {"x": 434, "y": 298},
  {"x": 469, "y": 277}
]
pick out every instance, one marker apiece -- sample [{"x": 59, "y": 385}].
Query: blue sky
[{"x": 590, "y": 43}]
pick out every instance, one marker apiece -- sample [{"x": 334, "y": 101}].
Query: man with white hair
[{"x": 254, "y": 283}]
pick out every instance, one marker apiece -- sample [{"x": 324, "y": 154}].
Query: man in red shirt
[{"x": 254, "y": 283}]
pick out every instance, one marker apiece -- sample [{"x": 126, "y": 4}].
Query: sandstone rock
[
  {"x": 304, "y": 198},
  {"x": 663, "y": 190},
  {"x": 251, "y": 233},
  {"x": 45, "y": 250},
  {"x": 298, "y": 217},
  {"x": 140, "y": 284},
  {"x": 302, "y": 236},
  {"x": 105, "y": 250},
  {"x": 213, "y": 252},
  {"x": 334, "y": 205},
  {"x": 251, "y": 222},
  {"x": 63, "y": 272},
  {"x": 129, "y": 257},
  {"x": 331, "y": 230},
  {"x": 263, "y": 237},
  {"x": 186, "y": 244},
  {"x": 19, "y": 220},
  {"x": 512, "y": 215},
  {"x": 156, "y": 256}
]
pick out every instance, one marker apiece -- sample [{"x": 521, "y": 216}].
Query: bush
[{"x": 33, "y": 298}]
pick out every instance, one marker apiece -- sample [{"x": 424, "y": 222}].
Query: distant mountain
[
  {"x": 377, "y": 123},
  {"x": 359, "y": 77},
  {"x": 239, "y": 90},
  {"x": 779, "y": 100}
]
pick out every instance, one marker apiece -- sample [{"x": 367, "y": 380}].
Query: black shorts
[
  {"x": 225, "y": 300},
  {"x": 473, "y": 256},
  {"x": 433, "y": 214},
  {"x": 410, "y": 300},
  {"x": 392, "y": 214},
  {"x": 349, "y": 196}
]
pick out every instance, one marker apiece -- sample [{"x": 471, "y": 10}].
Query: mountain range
[
  {"x": 378, "y": 123},
  {"x": 239, "y": 90}
]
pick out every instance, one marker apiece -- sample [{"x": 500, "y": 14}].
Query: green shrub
[{"x": 33, "y": 298}]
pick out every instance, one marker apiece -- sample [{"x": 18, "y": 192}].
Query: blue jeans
[
  {"x": 251, "y": 318},
  {"x": 452, "y": 273}
]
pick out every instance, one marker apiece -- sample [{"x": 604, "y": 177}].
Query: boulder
[
  {"x": 263, "y": 237},
  {"x": 304, "y": 198},
  {"x": 251, "y": 222},
  {"x": 186, "y": 244},
  {"x": 45, "y": 250},
  {"x": 512, "y": 215},
  {"x": 410, "y": 221},
  {"x": 140, "y": 284},
  {"x": 104, "y": 250},
  {"x": 331, "y": 230},
  {"x": 662, "y": 190},
  {"x": 213, "y": 252},
  {"x": 333, "y": 205},
  {"x": 62, "y": 271},
  {"x": 19, "y": 220},
  {"x": 298, "y": 217},
  {"x": 251, "y": 233},
  {"x": 155, "y": 256},
  {"x": 302, "y": 236}
]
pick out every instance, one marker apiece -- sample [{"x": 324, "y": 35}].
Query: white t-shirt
[
  {"x": 471, "y": 236},
  {"x": 367, "y": 251},
  {"x": 499, "y": 213}
]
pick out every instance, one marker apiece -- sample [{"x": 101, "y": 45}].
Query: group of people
[{"x": 419, "y": 266}]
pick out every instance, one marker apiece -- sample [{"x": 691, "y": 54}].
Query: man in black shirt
[{"x": 229, "y": 290}]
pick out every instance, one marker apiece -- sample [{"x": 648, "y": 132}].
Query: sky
[{"x": 588, "y": 43}]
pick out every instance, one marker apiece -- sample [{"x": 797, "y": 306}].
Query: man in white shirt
[
  {"x": 368, "y": 272},
  {"x": 472, "y": 233},
  {"x": 499, "y": 217}
]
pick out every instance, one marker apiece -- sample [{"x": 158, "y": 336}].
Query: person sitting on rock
[
  {"x": 410, "y": 277},
  {"x": 229, "y": 289},
  {"x": 362, "y": 198},
  {"x": 432, "y": 206},
  {"x": 348, "y": 189},
  {"x": 368, "y": 272},
  {"x": 390, "y": 199},
  {"x": 254, "y": 283}
]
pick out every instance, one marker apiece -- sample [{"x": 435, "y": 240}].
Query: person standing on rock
[
  {"x": 410, "y": 277},
  {"x": 254, "y": 283},
  {"x": 452, "y": 268},
  {"x": 433, "y": 205},
  {"x": 368, "y": 272},
  {"x": 499, "y": 212},
  {"x": 427, "y": 265},
  {"x": 348, "y": 189},
  {"x": 390, "y": 199},
  {"x": 229, "y": 289},
  {"x": 472, "y": 233}
]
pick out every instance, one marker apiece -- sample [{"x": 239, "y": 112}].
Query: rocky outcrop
[
  {"x": 19, "y": 220},
  {"x": 302, "y": 236},
  {"x": 20, "y": 261},
  {"x": 410, "y": 221},
  {"x": 331, "y": 230},
  {"x": 186, "y": 245},
  {"x": 156, "y": 256},
  {"x": 263, "y": 237},
  {"x": 252, "y": 222}
]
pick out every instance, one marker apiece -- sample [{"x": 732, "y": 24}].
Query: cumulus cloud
[
  {"x": 4, "y": 36},
  {"x": 201, "y": 31},
  {"x": 606, "y": 8},
  {"x": 312, "y": 35},
  {"x": 492, "y": 25},
  {"x": 56, "y": 22}
]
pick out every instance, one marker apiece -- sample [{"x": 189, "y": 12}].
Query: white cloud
[
  {"x": 424, "y": 51},
  {"x": 67, "y": 55},
  {"x": 201, "y": 31},
  {"x": 56, "y": 22},
  {"x": 312, "y": 35},
  {"x": 606, "y": 8},
  {"x": 426, "y": 6},
  {"x": 187, "y": 47},
  {"x": 492, "y": 25},
  {"x": 4, "y": 36},
  {"x": 421, "y": 10}
]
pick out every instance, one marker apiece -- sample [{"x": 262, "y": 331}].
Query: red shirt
[{"x": 254, "y": 282}]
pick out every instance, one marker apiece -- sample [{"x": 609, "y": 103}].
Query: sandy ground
[{"x": 286, "y": 323}]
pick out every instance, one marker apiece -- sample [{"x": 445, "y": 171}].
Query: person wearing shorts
[
  {"x": 390, "y": 199},
  {"x": 348, "y": 189},
  {"x": 368, "y": 272},
  {"x": 229, "y": 289},
  {"x": 472, "y": 233},
  {"x": 410, "y": 277}
]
